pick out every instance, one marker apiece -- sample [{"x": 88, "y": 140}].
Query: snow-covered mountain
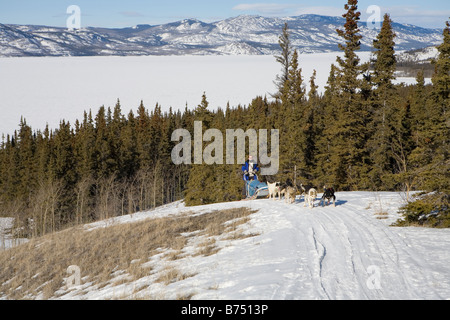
[
  {"x": 419, "y": 56},
  {"x": 244, "y": 34}
]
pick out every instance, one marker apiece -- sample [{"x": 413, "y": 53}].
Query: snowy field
[
  {"x": 46, "y": 90},
  {"x": 326, "y": 253}
]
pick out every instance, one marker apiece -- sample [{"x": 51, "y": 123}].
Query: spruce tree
[
  {"x": 385, "y": 114},
  {"x": 25, "y": 165},
  {"x": 347, "y": 154},
  {"x": 441, "y": 77},
  {"x": 325, "y": 116},
  {"x": 310, "y": 128},
  {"x": 429, "y": 160},
  {"x": 127, "y": 148},
  {"x": 102, "y": 151},
  {"x": 201, "y": 175},
  {"x": 385, "y": 61},
  {"x": 437, "y": 172},
  {"x": 143, "y": 137},
  {"x": 350, "y": 65},
  {"x": 285, "y": 60},
  {"x": 84, "y": 147},
  {"x": 418, "y": 106},
  {"x": 290, "y": 121},
  {"x": 295, "y": 91}
]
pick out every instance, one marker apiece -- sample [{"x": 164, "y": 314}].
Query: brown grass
[
  {"x": 381, "y": 215},
  {"x": 39, "y": 267}
]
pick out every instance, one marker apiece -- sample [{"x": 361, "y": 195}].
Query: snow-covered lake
[{"x": 46, "y": 90}]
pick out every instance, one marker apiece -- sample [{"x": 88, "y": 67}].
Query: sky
[{"x": 119, "y": 14}]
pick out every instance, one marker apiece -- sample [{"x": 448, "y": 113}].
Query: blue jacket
[{"x": 245, "y": 170}]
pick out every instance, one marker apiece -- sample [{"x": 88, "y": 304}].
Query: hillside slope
[
  {"x": 342, "y": 252},
  {"x": 250, "y": 35},
  {"x": 287, "y": 252}
]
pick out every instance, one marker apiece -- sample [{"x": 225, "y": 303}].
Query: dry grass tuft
[
  {"x": 171, "y": 275},
  {"x": 39, "y": 267},
  {"x": 382, "y": 215}
]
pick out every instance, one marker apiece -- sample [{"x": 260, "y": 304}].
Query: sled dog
[
  {"x": 290, "y": 194},
  {"x": 289, "y": 191},
  {"x": 309, "y": 194},
  {"x": 312, "y": 195},
  {"x": 328, "y": 194},
  {"x": 274, "y": 190},
  {"x": 284, "y": 187}
]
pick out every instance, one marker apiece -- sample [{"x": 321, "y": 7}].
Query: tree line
[
  {"x": 101, "y": 167},
  {"x": 363, "y": 133}
]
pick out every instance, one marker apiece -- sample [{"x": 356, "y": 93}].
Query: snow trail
[
  {"x": 325, "y": 253},
  {"x": 337, "y": 253}
]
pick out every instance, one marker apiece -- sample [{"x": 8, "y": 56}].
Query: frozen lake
[{"x": 46, "y": 90}]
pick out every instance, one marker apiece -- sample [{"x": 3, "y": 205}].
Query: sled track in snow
[
  {"x": 298, "y": 253},
  {"x": 346, "y": 253}
]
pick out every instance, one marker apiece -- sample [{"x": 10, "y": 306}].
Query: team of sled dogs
[{"x": 289, "y": 191}]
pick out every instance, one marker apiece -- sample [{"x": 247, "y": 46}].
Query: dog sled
[{"x": 256, "y": 189}]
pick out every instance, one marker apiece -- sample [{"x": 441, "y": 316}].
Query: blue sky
[{"x": 115, "y": 13}]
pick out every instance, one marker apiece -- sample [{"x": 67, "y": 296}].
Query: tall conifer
[
  {"x": 347, "y": 134},
  {"x": 385, "y": 112}
]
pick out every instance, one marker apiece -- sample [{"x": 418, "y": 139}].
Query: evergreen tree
[
  {"x": 310, "y": 128},
  {"x": 25, "y": 165},
  {"x": 385, "y": 61},
  {"x": 285, "y": 60},
  {"x": 384, "y": 107},
  {"x": 289, "y": 121},
  {"x": 114, "y": 129},
  {"x": 127, "y": 149},
  {"x": 437, "y": 172},
  {"x": 143, "y": 137},
  {"x": 350, "y": 67},
  {"x": 418, "y": 106},
  {"x": 201, "y": 175},
  {"x": 325, "y": 114},
  {"x": 347, "y": 154},
  {"x": 295, "y": 91},
  {"x": 103, "y": 161},
  {"x": 441, "y": 77},
  {"x": 42, "y": 155}
]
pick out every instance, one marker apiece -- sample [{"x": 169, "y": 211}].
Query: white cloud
[
  {"x": 266, "y": 8},
  {"x": 278, "y": 9},
  {"x": 131, "y": 14},
  {"x": 323, "y": 11},
  {"x": 414, "y": 15}
]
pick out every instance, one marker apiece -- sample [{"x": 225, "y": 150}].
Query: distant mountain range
[{"x": 250, "y": 35}]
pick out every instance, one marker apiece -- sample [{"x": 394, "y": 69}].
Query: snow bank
[{"x": 337, "y": 253}]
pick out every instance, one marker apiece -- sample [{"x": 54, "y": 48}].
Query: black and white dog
[{"x": 328, "y": 194}]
